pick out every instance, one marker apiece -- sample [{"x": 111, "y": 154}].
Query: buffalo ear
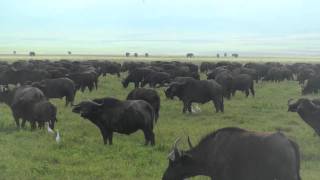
[
  {"x": 174, "y": 155},
  {"x": 186, "y": 156}
]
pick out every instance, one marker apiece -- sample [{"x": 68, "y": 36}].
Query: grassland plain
[
  {"x": 196, "y": 59},
  {"x": 26, "y": 154}
]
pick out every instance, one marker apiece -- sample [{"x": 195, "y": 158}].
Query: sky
[{"x": 205, "y": 27}]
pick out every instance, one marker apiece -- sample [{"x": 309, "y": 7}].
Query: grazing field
[{"x": 26, "y": 154}]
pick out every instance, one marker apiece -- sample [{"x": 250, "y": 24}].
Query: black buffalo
[
  {"x": 58, "y": 88},
  {"x": 125, "y": 117},
  {"x": 243, "y": 82},
  {"x": 197, "y": 91},
  {"x": 312, "y": 85},
  {"x": 156, "y": 78},
  {"x": 84, "y": 80},
  {"x": 237, "y": 154},
  {"x": 45, "y": 111},
  {"x": 136, "y": 76},
  {"x": 308, "y": 110},
  {"x": 225, "y": 79},
  {"x": 149, "y": 95},
  {"x": 29, "y": 104}
]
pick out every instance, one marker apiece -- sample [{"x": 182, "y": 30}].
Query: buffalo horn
[
  {"x": 175, "y": 145},
  {"x": 189, "y": 142},
  {"x": 97, "y": 104},
  {"x": 290, "y": 101}
]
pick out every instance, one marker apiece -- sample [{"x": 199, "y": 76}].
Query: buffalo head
[
  {"x": 180, "y": 164},
  {"x": 40, "y": 85},
  {"x": 125, "y": 83},
  {"x": 86, "y": 108},
  {"x": 5, "y": 94},
  {"x": 306, "y": 89},
  {"x": 301, "y": 104},
  {"x": 174, "y": 90}
]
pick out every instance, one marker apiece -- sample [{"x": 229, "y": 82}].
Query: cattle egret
[
  {"x": 58, "y": 137},
  {"x": 195, "y": 109},
  {"x": 50, "y": 130}
]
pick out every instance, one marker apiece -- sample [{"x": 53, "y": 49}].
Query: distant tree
[
  {"x": 190, "y": 55},
  {"x": 235, "y": 55},
  {"x": 136, "y": 55},
  {"x": 32, "y": 53},
  {"x": 225, "y": 54},
  {"x": 69, "y": 52},
  {"x": 146, "y": 54},
  {"x": 14, "y": 52},
  {"x": 127, "y": 54},
  {"x": 218, "y": 55}
]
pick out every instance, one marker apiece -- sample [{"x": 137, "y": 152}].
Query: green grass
[{"x": 82, "y": 155}]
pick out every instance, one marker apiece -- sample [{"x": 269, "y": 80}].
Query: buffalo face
[
  {"x": 4, "y": 94},
  {"x": 125, "y": 83},
  {"x": 180, "y": 165},
  {"x": 292, "y": 106},
  {"x": 306, "y": 90},
  {"x": 173, "y": 90},
  {"x": 86, "y": 108},
  {"x": 300, "y": 104}
]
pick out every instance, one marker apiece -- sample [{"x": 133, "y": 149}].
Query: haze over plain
[{"x": 205, "y": 27}]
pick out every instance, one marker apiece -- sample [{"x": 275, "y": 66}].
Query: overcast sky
[{"x": 267, "y": 25}]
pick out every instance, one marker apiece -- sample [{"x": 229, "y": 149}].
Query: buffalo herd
[{"x": 28, "y": 86}]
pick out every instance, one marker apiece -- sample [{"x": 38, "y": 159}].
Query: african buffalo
[
  {"x": 44, "y": 111},
  {"x": 149, "y": 95},
  {"x": 225, "y": 79},
  {"x": 84, "y": 80},
  {"x": 197, "y": 91},
  {"x": 29, "y": 104},
  {"x": 237, "y": 154},
  {"x": 155, "y": 78},
  {"x": 125, "y": 117},
  {"x": 58, "y": 88},
  {"x": 136, "y": 76},
  {"x": 312, "y": 85},
  {"x": 308, "y": 110},
  {"x": 243, "y": 82}
]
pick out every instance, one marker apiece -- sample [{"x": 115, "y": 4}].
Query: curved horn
[
  {"x": 290, "y": 101},
  {"x": 95, "y": 103},
  {"x": 189, "y": 142},
  {"x": 175, "y": 145}
]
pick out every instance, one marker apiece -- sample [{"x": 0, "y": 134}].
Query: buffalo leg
[
  {"x": 67, "y": 102},
  {"x": 185, "y": 105},
  {"x": 190, "y": 107},
  {"x": 83, "y": 88},
  {"x": 16, "y": 119},
  {"x": 149, "y": 137},
  {"x": 110, "y": 136},
  {"x": 216, "y": 104},
  {"x": 221, "y": 103},
  {"x": 23, "y": 123},
  {"x": 146, "y": 137},
  {"x": 233, "y": 92},
  {"x": 136, "y": 84},
  {"x": 90, "y": 87},
  {"x": 252, "y": 91},
  {"x": 33, "y": 125},
  {"x": 152, "y": 139},
  {"x": 247, "y": 92},
  {"x": 96, "y": 84},
  {"x": 103, "y": 133}
]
